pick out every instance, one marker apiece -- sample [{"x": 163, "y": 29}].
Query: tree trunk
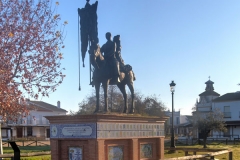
[{"x": 1, "y": 149}]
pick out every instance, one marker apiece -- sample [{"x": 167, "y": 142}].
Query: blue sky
[{"x": 182, "y": 40}]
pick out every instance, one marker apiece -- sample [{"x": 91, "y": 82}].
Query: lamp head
[{"x": 172, "y": 86}]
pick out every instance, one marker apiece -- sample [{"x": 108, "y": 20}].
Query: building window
[
  {"x": 177, "y": 120},
  {"x": 227, "y": 113},
  {"x": 29, "y": 131}
]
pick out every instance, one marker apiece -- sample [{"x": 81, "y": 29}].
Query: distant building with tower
[{"x": 228, "y": 103}]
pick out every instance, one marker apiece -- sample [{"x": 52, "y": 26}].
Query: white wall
[
  {"x": 234, "y": 109},
  {"x": 4, "y": 132},
  {"x": 34, "y": 119},
  {"x": 175, "y": 115},
  {"x": 37, "y": 117},
  {"x": 183, "y": 119},
  {"x": 233, "y": 131}
]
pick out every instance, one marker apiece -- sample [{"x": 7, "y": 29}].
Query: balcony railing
[
  {"x": 30, "y": 122},
  {"x": 227, "y": 114}
]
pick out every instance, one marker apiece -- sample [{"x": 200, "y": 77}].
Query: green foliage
[
  {"x": 154, "y": 106},
  {"x": 87, "y": 106},
  {"x": 47, "y": 157},
  {"x": 149, "y": 105},
  {"x": 27, "y": 149}
]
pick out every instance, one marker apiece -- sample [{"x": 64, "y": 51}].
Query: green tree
[
  {"x": 207, "y": 122},
  {"x": 154, "y": 106},
  {"x": 87, "y": 105},
  {"x": 115, "y": 99},
  {"x": 139, "y": 105},
  {"x": 150, "y": 105}
]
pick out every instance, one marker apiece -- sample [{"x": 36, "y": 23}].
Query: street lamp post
[{"x": 172, "y": 89}]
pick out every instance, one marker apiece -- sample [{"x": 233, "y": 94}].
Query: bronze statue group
[{"x": 109, "y": 67}]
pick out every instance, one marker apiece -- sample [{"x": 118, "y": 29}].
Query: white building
[
  {"x": 176, "y": 117},
  {"x": 180, "y": 123},
  {"x": 204, "y": 105},
  {"x": 35, "y": 124},
  {"x": 229, "y": 104}
]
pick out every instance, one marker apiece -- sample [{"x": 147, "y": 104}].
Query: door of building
[{"x": 19, "y": 132}]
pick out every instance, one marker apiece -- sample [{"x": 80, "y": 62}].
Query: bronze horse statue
[{"x": 100, "y": 76}]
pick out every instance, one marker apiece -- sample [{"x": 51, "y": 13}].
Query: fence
[
  {"x": 217, "y": 140},
  {"x": 35, "y": 142},
  {"x": 26, "y": 154},
  {"x": 194, "y": 155},
  {"x": 236, "y": 140}
]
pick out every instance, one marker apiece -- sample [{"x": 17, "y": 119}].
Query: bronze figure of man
[{"x": 109, "y": 49}]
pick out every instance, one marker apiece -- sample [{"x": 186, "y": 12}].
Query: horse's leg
[
  {"x": 97, "y": 87},
  {"x": 121, "y": 86},
  {"x": 131, "y": 88},
  {"x": 105, "y": 90}
]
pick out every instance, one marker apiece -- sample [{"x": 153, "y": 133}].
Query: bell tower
[{"x": 205, "y": 98}]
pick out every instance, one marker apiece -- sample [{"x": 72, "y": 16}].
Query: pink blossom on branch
[{"x": 30, "y": 52}]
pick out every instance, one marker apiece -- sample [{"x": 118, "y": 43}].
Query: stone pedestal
[{"x": 105, "y": 137}]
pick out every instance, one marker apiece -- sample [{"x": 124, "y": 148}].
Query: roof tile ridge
[{"x": 40, "y": 105}]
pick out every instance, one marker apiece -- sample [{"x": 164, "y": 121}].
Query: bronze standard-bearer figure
[
  {"x": 116, "y": 39},
  {"x": 123, "y": 68},
  {"x": 109, "y": 49},
  {"x": 89, "y": 29}
]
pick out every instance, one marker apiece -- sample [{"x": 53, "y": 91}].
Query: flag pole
[{"x": 79, "y": 61}]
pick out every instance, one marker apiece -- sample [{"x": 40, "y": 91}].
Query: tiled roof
[
  {"x": 209, "y": 93},
  {"x": 43, "y": 106},
  {"x": 228, "y": 97}
]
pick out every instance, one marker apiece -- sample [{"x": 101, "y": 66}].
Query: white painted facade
[
  {"x": 234, "y": 112},
  {"x": 35, "y": 124},
  {"x": 231, "y": 111},
  {"x": 178, "y": 119},
  {"x": 183, "y": 119}
]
